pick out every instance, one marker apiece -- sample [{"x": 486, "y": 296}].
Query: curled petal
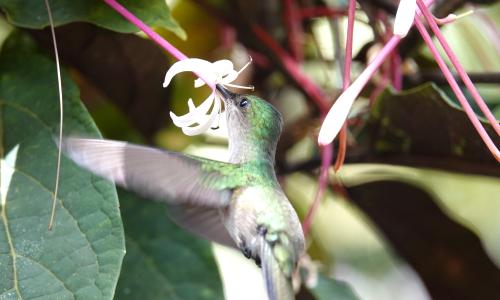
[
  {"x": 197, "y": 65},
  {"x": 337, "y": 115},
  {"x": 230, "y": 77},
  {"x": 194, "y": 112},
  {"x": 221, "y": 68},
  {"x": 404, "y": 17},
  {"x": 205, "y": 123},
  {"x": 199, "y": 119}
]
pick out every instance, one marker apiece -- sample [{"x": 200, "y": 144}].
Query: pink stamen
[
  {"x": 456, "y": 89},
  {"x": 451, "y": 18},
  {"x": 460, "y": 70}
]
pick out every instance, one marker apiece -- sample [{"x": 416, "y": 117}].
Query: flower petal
[
  {"x": 200, "y": 66},
  {"x": 404, "y": 17},
  {"x": 205, "y": 124},
  {"x": 337, "y": 115},
  {"x": 221, "y": 68},
  {"x": 194, "y": 112},
  {"x": 230, "y": 77}
]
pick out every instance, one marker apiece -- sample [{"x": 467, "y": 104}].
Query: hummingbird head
[{"x": 254, "y": 126}]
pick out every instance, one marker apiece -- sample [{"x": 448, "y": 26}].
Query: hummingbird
[{"x": 238, "y": 203}]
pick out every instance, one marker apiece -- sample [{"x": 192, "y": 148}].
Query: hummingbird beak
[{"x": 226, "y": 94}]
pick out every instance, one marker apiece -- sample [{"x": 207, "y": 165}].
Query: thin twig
[{"x": 61, "y": 116}]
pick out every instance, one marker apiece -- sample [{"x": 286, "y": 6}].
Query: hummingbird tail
[{"x": 278, "y": 285}]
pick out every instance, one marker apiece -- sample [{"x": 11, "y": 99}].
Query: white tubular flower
[
  {"x": 339, "y": 112},
  {"x": 199, "y": 119},
  {"x": 404, "y": 17}
]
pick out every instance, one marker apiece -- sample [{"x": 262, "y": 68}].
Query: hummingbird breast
[{"x": 255, "y": 211}]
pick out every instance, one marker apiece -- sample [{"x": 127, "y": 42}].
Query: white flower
[
  {"x": 339, "y": 111},
  {"x": 199, "y": 119},
  {"x": 404, "y": 17}
]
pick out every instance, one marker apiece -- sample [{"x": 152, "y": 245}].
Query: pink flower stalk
[
  {"x": 340, "y": 110},
  {"x": 458, "y": 92},
  {"x": 155, "y": 37},
  {"x": 460, "y": 70}
]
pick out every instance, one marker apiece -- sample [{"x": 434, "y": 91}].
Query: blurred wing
[
  {"x": 170, "y": 177},
  {"x": 202, "y": 221}
]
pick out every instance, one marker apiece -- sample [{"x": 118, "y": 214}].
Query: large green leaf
[
  {"x": 33, "y": 14},
  {"x": 81, "y": 256},
  {"x": 424, "y": 122},
  {"x": 449, "y": 258},
  {"x": 328, "y": 289},
  {"x": 163, "y": 261}
]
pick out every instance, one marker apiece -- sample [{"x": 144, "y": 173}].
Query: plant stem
[
  {"x": 293, "y": 26},
  {"x": 326, "y": 159},
  {"x": 293, "y": 69},
  {"x": 460, "y": 70},
  {"x": 456, "y": 89},
  {"x": 321, "y": 11},
  {"x": 346, "y": 81},
  {"x": 155, "y": 37}
]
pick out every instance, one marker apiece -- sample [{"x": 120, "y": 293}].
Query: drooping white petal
[
  {"x": 338, "y": 113},
  {"x": 200, "y": 66},
  {"x": 404, "y": 17},
  {"x": 194, "y": 112},
  {"x": 205, "y": 123}
]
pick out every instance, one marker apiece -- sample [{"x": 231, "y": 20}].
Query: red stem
[
  {"x": 294, "y": 27},
  {"x": 293, "y": 69},
  {"x": 326, "y": 160},
  {"x": 397, "y": 76},
  {"x": 346, "y": 81},
  {"x": 321, "y": 11}
]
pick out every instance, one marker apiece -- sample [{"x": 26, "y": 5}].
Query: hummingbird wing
[
  {"x": 202, "y": 221},
  {"x": 170, "y": 177},
  {"x": 195, "y": 188}
]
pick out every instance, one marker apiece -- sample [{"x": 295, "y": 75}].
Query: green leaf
[
  {"x": 449, "y": 257},
  {"x": 81, "y": 257},
  {"x": 163, "y": 261},
  {"x": 424, "y": 122},
  {"x": 328, "y": 289},
  {"x": 33, "y": 14}
]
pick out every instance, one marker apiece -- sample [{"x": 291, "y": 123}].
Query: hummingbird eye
[{"x": 244, "y": 103}]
